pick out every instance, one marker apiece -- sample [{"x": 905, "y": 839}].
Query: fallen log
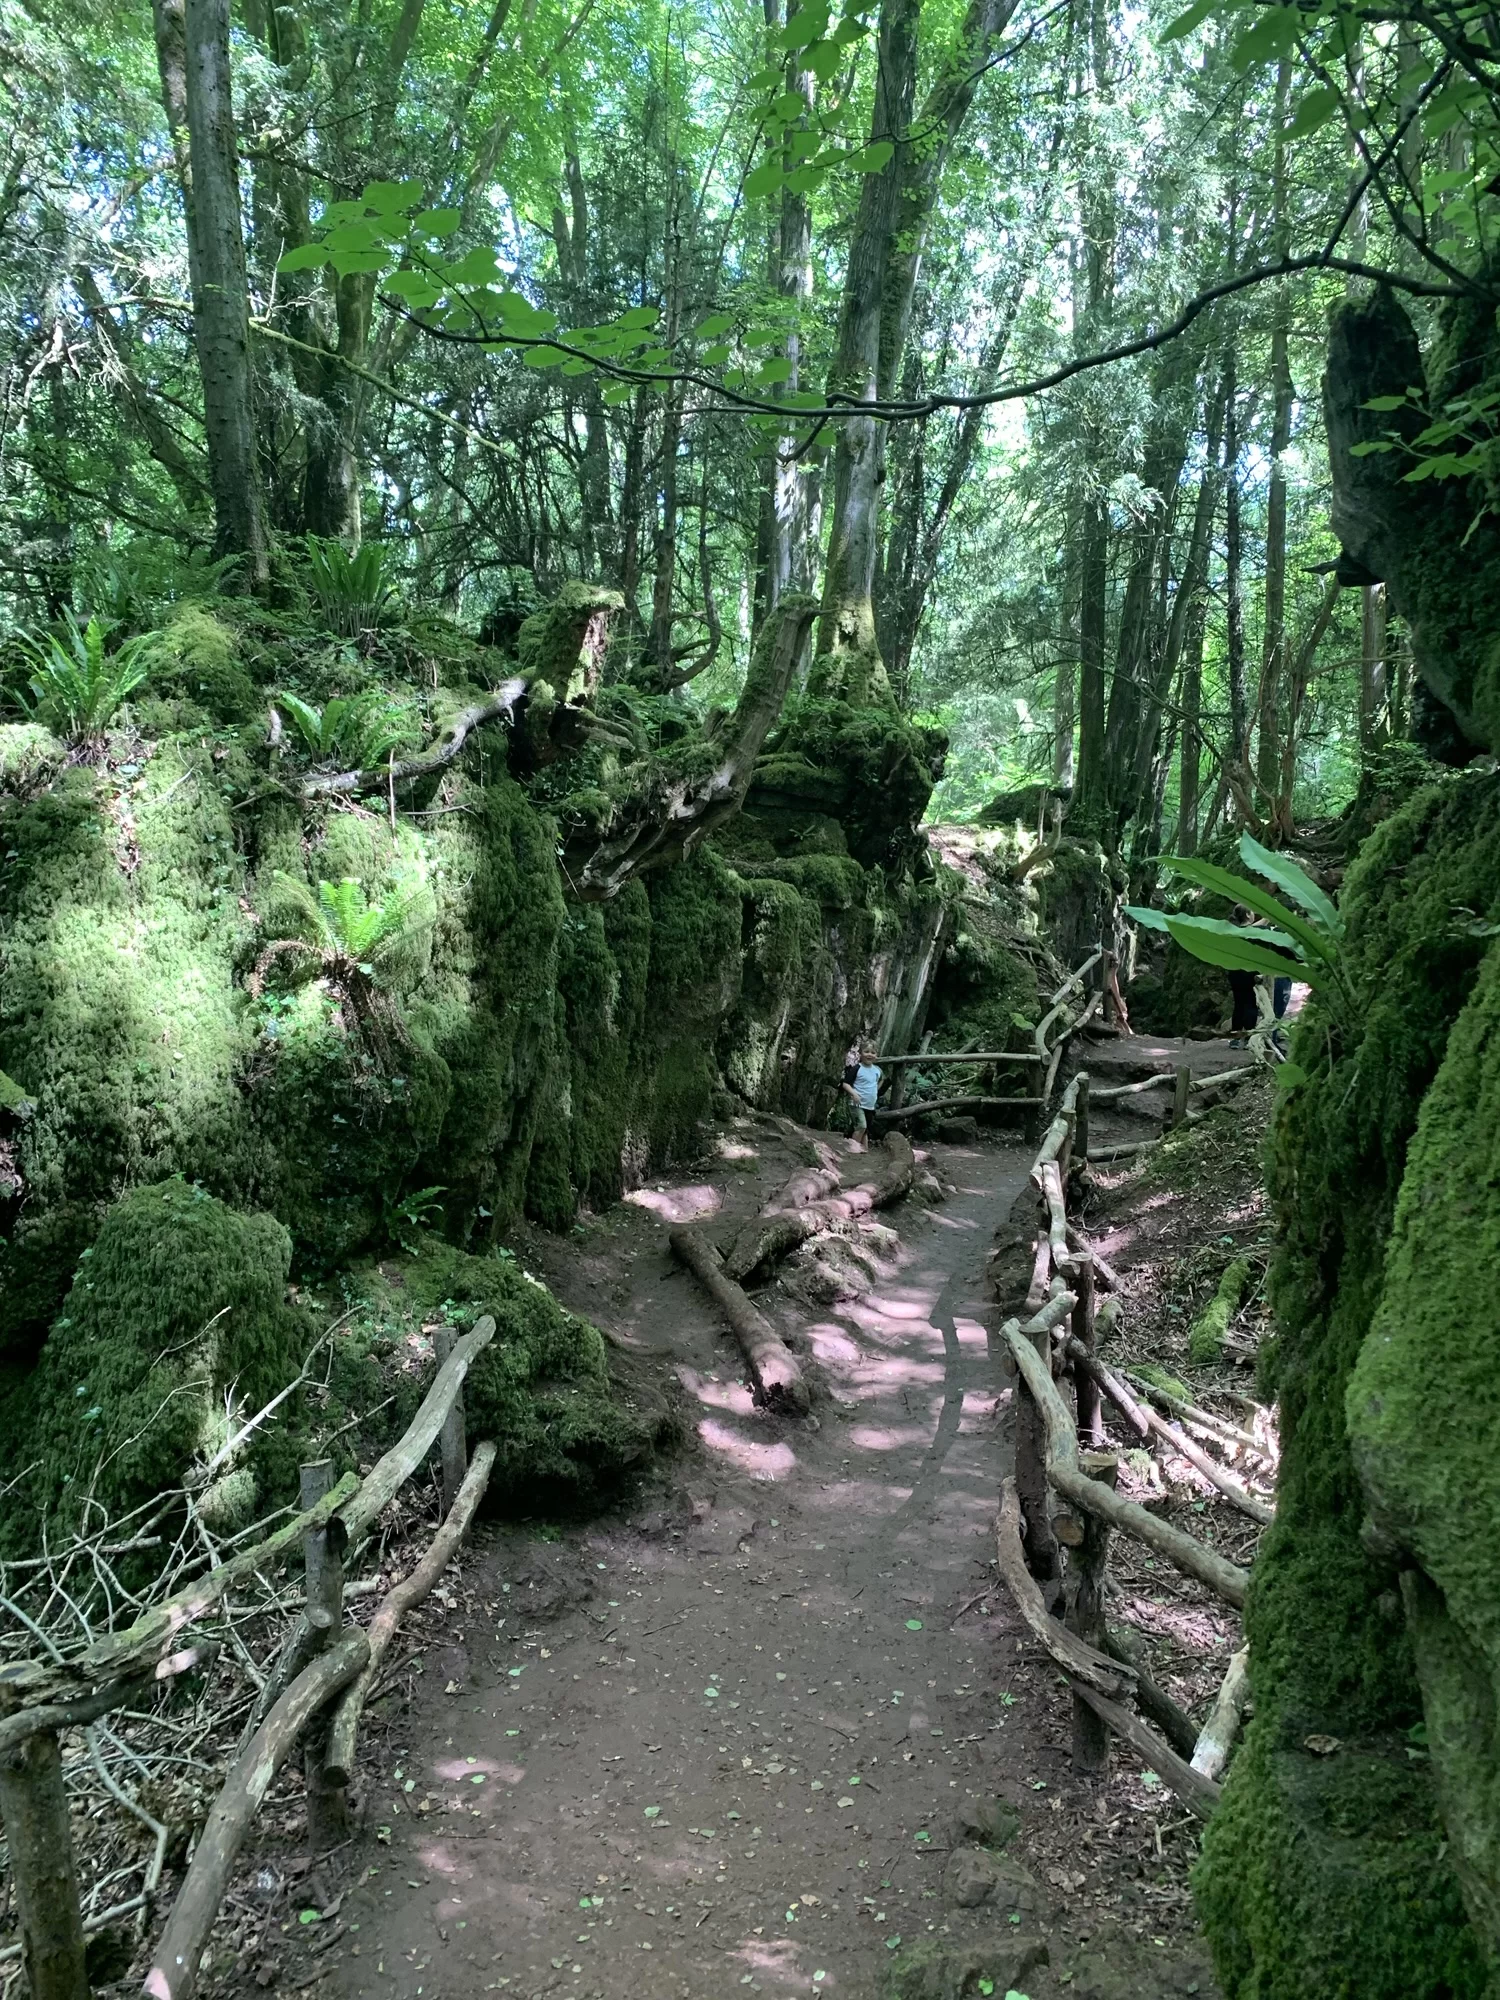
[
  {"x": 1109, "y": 1092},
  {"x": 1211, "y": 1751},
  {"x": 778, "y": 1229},
  {"x": 1123, "y": 1151},
  {"x": 175, "y": 1962},
  {"x": 1193, "y": 1557},
  {"x": 1073, "y": 1654},
  {"x": 1199, "y": 1794},
  {"x": 1201, "y": 1085},
  {"x": 774, "y": 1369},
  {"x": 1078, "y": 1241},
  {"x": 338, "y": 1762},
  {"x": 391, "y": 1473}
]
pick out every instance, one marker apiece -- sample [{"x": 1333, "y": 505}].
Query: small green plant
[
  {"x": 353, "y": 589},
  {"x": 349, "y": 941},
  {"x": 360, "y": 729},
  {"x": 74, "y": 686},
  {"x": 1307, "y": 939},
  {"x": 407, "y": 1218}
]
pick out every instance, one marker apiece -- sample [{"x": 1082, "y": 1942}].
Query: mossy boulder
[
  {"x": 176, "y": 1318},
  {"x": 868, "y": 768},
  {"x": 198, "y": 656},
  {"x": 1330, "y": 1653}
]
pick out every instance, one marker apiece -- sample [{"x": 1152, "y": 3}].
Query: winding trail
[{"x": 727, "y": 1743}]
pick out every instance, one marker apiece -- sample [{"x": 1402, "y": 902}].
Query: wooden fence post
[
  {"x": 452, "y": 1439},
  {"x": 34, "y": 1807},
  {"x": 1087, "y": 1564},
  {"x": 1081, "y": 1121},
  {"x": 1180, "y": 1089},
  {"x": 323, "y": 1557},
  {"x": 1090, "y": 1404}
]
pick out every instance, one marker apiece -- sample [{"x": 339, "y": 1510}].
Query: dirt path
[{"x": 750, "y": 1738}]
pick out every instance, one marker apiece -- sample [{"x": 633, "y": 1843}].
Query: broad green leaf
[
  {"x": 414, "y": 286},
  {"x": 1313, "y": 113},
  {"x": 1385, "y": 403},
  {"x": 390, "y": 197},
  {"x": 619, "y": 392},
  {"x": 638, "y": 317},
  {"x": 1238, "y": 950},
  {"x": 711, "y": 357},
  {"x": 1370, "y": 448},
  {"x": 351, "y": 236},
  {"x": 1289, "y": 1075},
  {"x": 1445, "y": 465},
  {"x": 824, "y": 59},
  {"x": 475, "y": 267},
  {"x": 1151, "y": 920},
  {"x": 437, "y": 222},
  {"x": 764, "y": 179},
  {"x": 765, "y": 79},
  {"x": 848, "y": 30},
  {"x": 806, "y": 27},
  {"x": 347, "y": 262},
  {"x": 1192, "y": 17},
  {"x": 1222, "y": 883},
  {"x": 578, "y": 366},
  {"x": 1294, "y": 882},
  {"x": 872, "y": 159},
  {"x": 761, "y": 336},
  {"x": 543, "y": 357},
  {"x": 306, "y": 257},
  {"x": 1273, "y": 34},
  {"x": 789, "y": 105},
  {"x": 714, "y": 325},
  {"x": 775, "y": 370}
]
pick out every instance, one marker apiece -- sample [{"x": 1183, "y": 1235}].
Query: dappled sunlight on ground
[
  {"x": 734, "y": 1397},
  {"x": 681, "y": 1204},
  {"x": 759, "y": 1460}
]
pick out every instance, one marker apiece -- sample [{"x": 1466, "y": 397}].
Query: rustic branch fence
[
  {"x": 1060, "y": 1510},
  {"x": 323, "y": 1661}
]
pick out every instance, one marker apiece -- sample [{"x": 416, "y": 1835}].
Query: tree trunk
[
  {"x": 1234, "y": 587},
  {"x": 221, "y": 300},
  {"x": 1373, "y": 703},
  {"x": 1273, "y": 651}
]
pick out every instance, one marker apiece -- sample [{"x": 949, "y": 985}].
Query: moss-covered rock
[
  {"x": 1330, "y": 1653},
  {"x": 177, "y": 1316},
  {"x": 1424, "y": 1415},
  {"x": 196, "y": 654},
  {"x": 868, "y": 768}
]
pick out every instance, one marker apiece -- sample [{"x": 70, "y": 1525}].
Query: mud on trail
[{"x": 776, "y": 1730}]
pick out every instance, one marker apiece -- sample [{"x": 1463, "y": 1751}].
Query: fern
[
  {"x": 75, "y": 686},
  {"x": 353, "y": 590},
  {"x": 361, "y": 729}
]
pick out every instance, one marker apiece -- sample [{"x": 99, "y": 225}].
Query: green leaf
[
  {"x": 1313, "y": 113},
  {"x": 1273, "y": 35},
  {"x": 1385, "y": 403},
  {"x": 1369, "y": 449},
  {"x": 618, "y": 392},
  {"x": 714, "y": 325},
  {"x": 775, "y": 370},
  {"x": 306, "y": 257},
  {"x": 415, "y": 287},
  {"x": 1445, "y": 465},
  {"x": 1237, "y": 949},
  {"x": 872, "y": 159},
  {"x": 639, "y": 317},
  {"x": 475, "y": 267},
  {"x": 913, "y": 1624},
  {"x": 1153, "y": 920},
  {"x": 1289, "y": 1075},
  {"x": 824, "y": 60},
  {"x": 543, "y": 357},
  {"x": 766, "y": 79},
  {"x": 1192, "y": 17},
  {"x": 348, "y": 262},
  {"x": 390, "y": 197},
  {"x": 711, "y": 357},
  {"x": 764, "y": 179},
  {"x": 806, "y": 27},
  {"x": 1294, "y": 882},
  {"x": 1222, "y": 883},
  {"x": 437, "y": 222}
]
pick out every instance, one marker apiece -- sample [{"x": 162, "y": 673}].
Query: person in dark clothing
[{"x": 1246, "y": 1013}]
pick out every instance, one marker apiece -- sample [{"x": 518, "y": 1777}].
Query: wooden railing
[
  {"x": 1062, "y": 1019},
  {"x": 323, "y": 1660},
  {"x": 1058, "y": 1511}
]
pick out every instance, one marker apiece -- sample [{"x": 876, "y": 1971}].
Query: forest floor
[{"x": 776, "y": 1728}]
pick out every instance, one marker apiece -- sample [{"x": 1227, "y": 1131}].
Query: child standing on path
[{"x": 862, "y": 1091}]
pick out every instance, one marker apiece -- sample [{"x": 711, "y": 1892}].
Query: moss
[
  {"x": 1206, "y": 1335},
  {"x": 1423, "y": 1420},
  {"x": 867, "y": 767},
  {"x": 562, "y": 645},
  {"x": 120, "y": 903},
  {"x": 1325, "y": 1875},
  {"x": 26, "y": 751},
  {"x": 1327, "y": 1654},
  {"x": 569, "y": 1440},
  {"x": 177, "y": 1314},
  {"x": 199, "y": 655},
  {"x": 1149, "y": 1371}
]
